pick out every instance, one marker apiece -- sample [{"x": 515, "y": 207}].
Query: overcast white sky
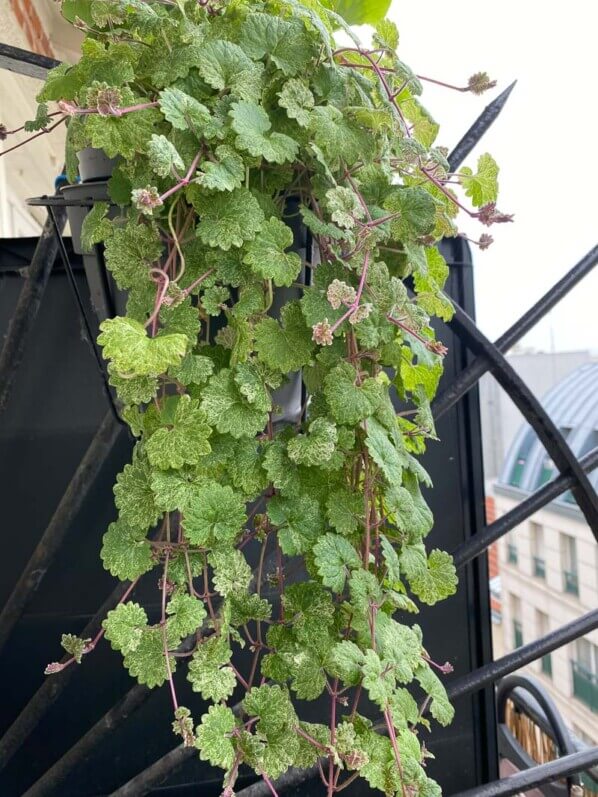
[{"x": 545, "y": 142}]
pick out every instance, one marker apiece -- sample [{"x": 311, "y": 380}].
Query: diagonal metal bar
[
  {"x": 28, "y": 304},
  {"x": 479, "y": 128},
  {"x": 563, "y": 739},
  {"x": 52, "y": 688},
  {"x": 48, "y": 546},
  {"x": 547, "y": 493},
  {"x": 82, "y": 311},
  {"x": 491, "y": 672},
  {"x": 24, "y": 62},
  {"x": 537, "y": 776},
  {"x": 155, "y": 774},
  {"x": 470, "y": 375},
  {"x": 292, "y": 777},
  {"x": 89, "y": 742},
  {"x": 550, "y": 436}
]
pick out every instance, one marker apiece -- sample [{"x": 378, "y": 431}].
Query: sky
[{"x": 544, "y": 142}]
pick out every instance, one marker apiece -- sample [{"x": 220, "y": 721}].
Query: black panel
[{"x": 55, "y": 409}]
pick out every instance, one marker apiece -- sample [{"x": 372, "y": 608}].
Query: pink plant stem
[
  {"x": 160, "y": 294},
  {"x": 441, "y": 83},
  {"x": 36, "y": 135},
  {"x": 269, "y": 784},
  {"x": 118, "y": 111},
  {"x": 446, "y": 192},
  {"x": 333, "y": 699},
  {"x": 186, "y": 179},
  {"x": 382, "y": 78},
  {"x": 395, "y": 747},
  {"x": 353, "y": 307},
  {"x": 433, "y": 346},
  {"x": 175, "y": 702},
  {"x": 197, "y": 282},
  {"x": 311, "y": 739},
  {"x": 22, "y": 127}
]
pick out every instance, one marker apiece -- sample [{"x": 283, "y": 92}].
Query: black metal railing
[{"x": 571, "y": 474}]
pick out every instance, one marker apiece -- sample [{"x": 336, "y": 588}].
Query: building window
[
  {"x": 569, "y": 564},
  {"x": 516, "y": 475},
  {"x": 538, "y": 555},
  {"x": 542, "y": 629},
  {"x": 548, "y": 471},
  {"x": 585, "y": 673},
  {"x": 512, "y": 553},
  {"x": 517, "y": 622}
]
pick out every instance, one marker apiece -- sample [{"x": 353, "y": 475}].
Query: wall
[{"x": 29, "y": 171}]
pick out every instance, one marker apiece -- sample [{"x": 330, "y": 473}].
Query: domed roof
[{"x": 572, "y": 405}]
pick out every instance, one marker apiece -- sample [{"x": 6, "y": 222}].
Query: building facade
[{"x": 549, "y": 564}]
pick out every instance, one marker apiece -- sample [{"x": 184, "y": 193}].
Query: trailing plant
[{"x": 230, "y": 117}]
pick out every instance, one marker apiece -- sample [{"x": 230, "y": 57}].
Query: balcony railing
[
  {"x": 570, "y": 582},
  {"x": 539, "y": 567},
  {"x": 585, "y": 686},
  {"x": 512, "y": 555}
]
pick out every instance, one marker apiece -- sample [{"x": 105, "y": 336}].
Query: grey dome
[{"x": 572, "y": 405}]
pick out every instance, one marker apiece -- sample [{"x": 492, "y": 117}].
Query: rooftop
[{"x": 573, "y": 406}]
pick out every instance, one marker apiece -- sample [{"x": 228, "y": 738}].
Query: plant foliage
[{"x": 230, "y": 117}]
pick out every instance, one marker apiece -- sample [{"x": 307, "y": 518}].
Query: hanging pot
[
  {"x": 95, "y": 169},
  {"x": 108, "y": 300}
]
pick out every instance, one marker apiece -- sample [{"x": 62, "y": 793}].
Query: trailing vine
[{"x": 233, "y": 120}]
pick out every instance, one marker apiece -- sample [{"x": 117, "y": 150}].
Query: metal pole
[
  {"x": 28, "y": 304},
  {"x": 548, "y": 433},
  {"x": 548, "y": 492},
  {"x": 292, "y": 777},
  {"x": 494, "y": 670},
  {"x": 24, "y": 62},
  {"x": 88, "y": 743},
  {"x": 479, "y": 128},
  {"x": 470, "y": 375},
  {"x": 537, "y": 776},
  {"x": 56, "y": 531}
]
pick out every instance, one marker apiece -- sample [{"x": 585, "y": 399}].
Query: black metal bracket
[{"x": 24, "y": 62}]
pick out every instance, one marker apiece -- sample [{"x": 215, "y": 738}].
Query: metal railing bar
[
  {"x": 537, "y": 776},
  {"x": 480, "y": 542},
  {"x": 155, "y": 774},
  {"x": 51, "y": 540},
  {"x": 52, "y": 688},
  {"x": 292, "y": 777},
  {"x": 470, "y": 375},
  {"x": 479, "y": 128},
  {"x": 491, "y": 672},
  {"x": 532, "y": 708},
  {"x": 24, "y": 62},
  {"x": 88, "y": 743},
  {"x": 66, "y": 261},
  {"x": 547, "y": 431},
  {"x": 28, "y": 304},
  {"x": 564, "y": 741}
]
